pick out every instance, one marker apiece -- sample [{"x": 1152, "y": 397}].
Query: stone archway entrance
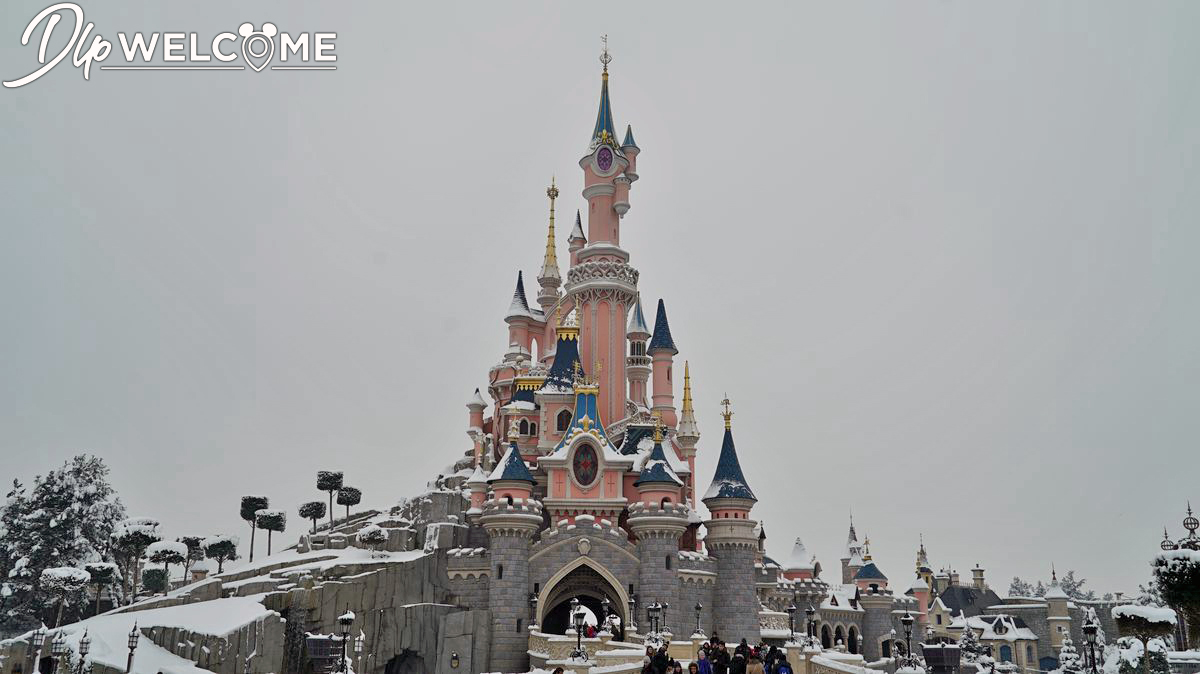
[{"x": 587, "y": 584}]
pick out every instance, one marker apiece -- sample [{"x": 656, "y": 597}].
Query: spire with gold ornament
[
  {"x": 549, "y": 278},
  {"x": 728, "y": 483},
  {"x": 688, "y": 431}
]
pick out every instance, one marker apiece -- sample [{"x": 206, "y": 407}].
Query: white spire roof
[
  {"x": 799, "y": 560},
  {"x": 577, "y": 230},
  {"x": 477, "y": 400},
  {"x": 637, "y": 320}
]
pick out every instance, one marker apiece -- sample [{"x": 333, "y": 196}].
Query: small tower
[
  {"x": 549, "y": 278},
  {"x": 689, "y": 432},
  {"x": 658, "y": 522},
  {"x": 510, "y": 518},
  {"x": 631, "y": 150},
  {"x": 475, "y": 408},
  {"x": 851, "y": 555},
  {"x": 519, "y": 319},
  {"x": 576, "y": 240},
  {"x": 1058, "y": 617},
  {"x": 637, "y": 363},
  {"x": 731, "y": 539},
  {"x": 662, "y": 353}
]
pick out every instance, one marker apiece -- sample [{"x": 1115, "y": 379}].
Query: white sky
[{"x": 940, "y": 256}]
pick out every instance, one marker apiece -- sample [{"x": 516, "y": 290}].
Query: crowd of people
[{"x": 714, "y": 657}]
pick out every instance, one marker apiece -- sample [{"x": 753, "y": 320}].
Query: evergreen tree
[
  {"x": 156, "y": 580},
  {"x": 1019, "y": 588},
  {"x": 133, "y": 536},
  {"x": 968, "y": 645},
  {"x": 349, "y": 496},
  {"x": 222, "y": 549},
  {"x": 1177, "y": 576},
  {"x": 67, "y": 584},
  {"x": 64, "y": 519},
  {"x": 195, "y": 552},
  {"x": 250, "y": 506},
  {"x": 313, "y": 510},
  {"x": 330, "y": 481},
  {"x": 373, "y": 537},
  {"x": 103, "y": 575},
  {"x": 1069, "y": 661},
  {"x": 168, "y": 553},
  {"x": 271, "y": 520}
]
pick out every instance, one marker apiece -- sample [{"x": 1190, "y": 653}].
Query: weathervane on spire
[
  {"x": 604, "y": 57},
  {"x": 727, "y": 414}
]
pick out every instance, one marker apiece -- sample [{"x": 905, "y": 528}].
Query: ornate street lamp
[
  {"x": 132, "y": 642},
  {"x": 791, "y": 611},
  {"x": 577, "y": 618},
  {"x": 699, "y": 607},
  {"x": 58, "y": 648},
  {"x": 533, "y": 602},
  {"x": 654, "y": 612},
  {"x": 907, "y": 620},
  {"x": 344, "y": 622},
  {"x": 85, "y": 645},
  {"x": 633, "y": 612},
  {"x": 812, "y": 624},
  {"x": 39, "y": 637},
  {"x": 1090, "y": 630}
]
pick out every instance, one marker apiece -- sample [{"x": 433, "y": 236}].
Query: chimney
[
  {"x": 977, "y": 578},
  {"x": 953, "y": 578}
]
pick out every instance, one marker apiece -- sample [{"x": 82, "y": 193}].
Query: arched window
[
  {"x": 499, "y": 571},
  {"x": 533, "y": 429},
  {"x": 524, "y": 427},
  {"x": 886, "y": 648},
  {"x": 852, "y": 642},
  {"x": 839, "y": 636},
  {"x": 1005, "y": 654},
  {"x": 663, "y": 503},
  {"x": 826, "y": 639},
  {"x": 508, "y": 499},
  {"x": 668, "y": 562},
  {"x": 564, "y": 420}
]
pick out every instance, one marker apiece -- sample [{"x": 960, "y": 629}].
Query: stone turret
[
  {"x": 510, "y": 519},
  {"x": 658, "y": 527},
  {"x": 731, "y": 539},
  {"x": 1057, "y": 616}
]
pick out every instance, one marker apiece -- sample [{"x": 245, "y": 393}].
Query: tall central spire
[
  {"x": 605, "y": 132},
  {"x": 549, "y": 278}
]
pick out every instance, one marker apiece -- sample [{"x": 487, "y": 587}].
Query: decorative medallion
[
  {"x": 604, "y": 159},
  {"x": 585, "y": 465},
  {"x": 585, "y": 546}
]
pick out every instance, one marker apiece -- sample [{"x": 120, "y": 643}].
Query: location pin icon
[{"x": 258, "y": 48}]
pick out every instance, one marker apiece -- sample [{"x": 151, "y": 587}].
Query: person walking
[
  {"x": 755, "y": 666},
  {"x": 720, "y": 659}
]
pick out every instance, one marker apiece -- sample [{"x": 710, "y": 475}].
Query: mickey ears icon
[{"x": 268, "y": 29}]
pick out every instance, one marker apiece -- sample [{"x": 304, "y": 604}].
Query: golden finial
[
  {"x": 866, "y": 549},
  {"x": 687, "y": 388},
  {"x": 604, "y": 57},
  {"x": 658, "y": 427},
  {"x": 550, "y": 263},
  {"x": 513, "y": 430},
  {"x": 727, "y": 414}
]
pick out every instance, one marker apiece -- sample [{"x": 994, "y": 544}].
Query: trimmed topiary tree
[
  {"x": 167, "y": 553},
  {"x": 102, "y": 575},
  {"x": 251, "y": 505},
  {"x": 271, "y": 520},
  {"x": 66, "y": 583},
  {"x": 156, "y": 580},
  {"x": 329, "y": 481},
  {"x": 221, "y": 548},
  {"x": 195, "y": 552},
  {"x": 373, "y": 537},
  {"x": 1177, "y": 575},
  {"x": 133, "y": 536},
  {"x": 313, "y": 510},
  {"x": 349, "y": 496}
]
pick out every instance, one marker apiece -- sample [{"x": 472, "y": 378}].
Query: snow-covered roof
[
  {"x": 869, "y": 572},
  {"x": 519, "y": 305},
  {"x": 577, "y": 230},
  {"x": 1151, "y": 614},
  {"x": 1001, "y": 627},
  {"x": 512, "y": 467},
  {"x": 656, "y": 470},
  {"x": 799, "y": 560},
  {"x": 476, "y": 400},
  {"x": 728, "y": 481}
]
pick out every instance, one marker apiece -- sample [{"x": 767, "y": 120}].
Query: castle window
[
  {"x": 665, "y": 502},
  {"x": 524, "y": 427},
  {"x": 564, "y": 420},
  {"x": 508, "y": 499},
  {"x": 499, "y": 571},
  {"x": 518, "y": 624},
  {"x": 939, "y": 619},
  {"x": 668, "y": 562},
  {"x": 533, "y": 429}
]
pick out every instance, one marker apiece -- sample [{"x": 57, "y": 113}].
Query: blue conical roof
[
  {"x": 662, "y": 332},
  {"x": 512, "y": 468},
  {"x": 870, "y": 572},
  {"x": 519, "y": 306},
  {"x": 629, "y": 142},
  {"x": 561, "y": 376},
  {"x": 604, "y": 130},
  {"x": 728, "y": 481},
  {"x": 637, "y": 320},
  {"x": 657, "y": 470}
]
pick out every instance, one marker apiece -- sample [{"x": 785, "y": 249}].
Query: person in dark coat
[
  {"x": 743, "y": 649},
  {"x": 737, "y": 664},
  {"x": 720, "y": 659},
  {"x": 660, "y": 662}
]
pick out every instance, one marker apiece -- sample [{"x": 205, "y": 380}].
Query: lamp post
[
  {"x": 812, "y": 624},
  {"x": 533, "y": 602},
  {"x": 577, "y": 618},
  {"x": 344, "y": 622},
  {"x": 791, "y": 611},
  {"x": 907, "y": 621},
  {"x": 654, "y": 612},
  {"x": 39, "y": 636},
  {"x": 699, "y": 607},
  {"x": 633, "y": 612},
  {"x": 604, "y": 604},
  {"x": 58, "y": 648},
  {"x": 1090, "y": 630},
  {"x": 132, "y": 642},
  {"x": 85, "y": 645}
]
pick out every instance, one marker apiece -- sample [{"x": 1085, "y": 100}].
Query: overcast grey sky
[{"x": 940, "y": 255}]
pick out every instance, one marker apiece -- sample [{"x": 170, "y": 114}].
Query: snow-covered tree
[
  {"x": 968, "y": 645},
  {"x": 271, "y": 521},
  {"x": 65, "y": 518},
  {"x": 329, "y": 481},
  {"x": 156, "y": 580},
  {"x": 1020, "y": 588},
  {"x": 102, "y": 575},
  {"x": 67, "y": 583},
  {"x": 133, "y": 536},
  {"x": 167, "y": 553},
  {"x": 373, "y": 537},
  {"x": 1069, "y": 661},
  {"x": 221, "y": 548},
  {"x": 1069, "y": 584},
  {"x": 195, "y": 551},
  {"x": 1177, "y": 575},
  {"x": 250, "y": 506},
  {"x": 313, "y": 510},
  {"x": 1127, "y": 657},
  {"x": 349, "y": 496}
]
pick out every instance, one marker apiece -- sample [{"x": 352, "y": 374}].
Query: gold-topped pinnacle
[
  {"x": 727, "y": 414},
  {"x": 550, "y": 262},
  {"x": 866, "y": 549},
  {"x": 687, "y": 388},
  {"x": 658, "y": 427}
]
